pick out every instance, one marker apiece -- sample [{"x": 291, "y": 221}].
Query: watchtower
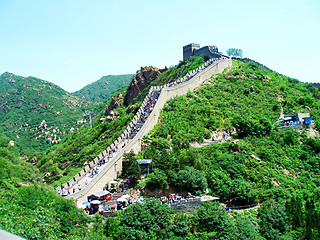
[{"x": 189, "y": 49}]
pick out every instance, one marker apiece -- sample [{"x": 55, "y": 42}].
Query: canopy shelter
[
  {"x": 101, "y": 196},
  {"x": 209, "y": 198}
]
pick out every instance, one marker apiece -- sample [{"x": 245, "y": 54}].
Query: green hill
[
  {"x": 279, "y": 170},
  {"x": 36, "y": 114},
  {"x": 104, "y": 88},
  {"x": 31, "y": 209}
]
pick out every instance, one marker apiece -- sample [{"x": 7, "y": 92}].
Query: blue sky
[{"x": 73, "y": 43}]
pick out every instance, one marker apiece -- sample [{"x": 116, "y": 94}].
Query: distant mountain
[
  {"x": 104, "y": 88},
  {"x": 35, "y": 113}
]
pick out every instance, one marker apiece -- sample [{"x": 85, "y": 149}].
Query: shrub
[
  {"x": 191, "y": 180},
  {"x": 157, "y": 179}
]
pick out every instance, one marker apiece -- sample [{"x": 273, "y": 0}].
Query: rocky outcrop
[
  {"x": 141, "y": 81},
  {"x": 116, "y": 101}
]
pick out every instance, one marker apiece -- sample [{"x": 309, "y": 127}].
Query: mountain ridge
[{"x": 104, "y": 88}]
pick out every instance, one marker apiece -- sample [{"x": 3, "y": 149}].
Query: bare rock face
[{"x": 141, "y": 81}]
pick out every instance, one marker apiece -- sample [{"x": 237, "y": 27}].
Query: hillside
[
  {"x": 104, "y": 88},
  {"x": 36, "y": 114},
  {"x": 260, "y": 163},
  {"x": 278, "y": 171},
  {"x": 64, "y": 160},
  {"x": 30, "y": 209}
]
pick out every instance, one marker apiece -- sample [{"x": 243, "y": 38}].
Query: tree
[
  {"x": 236, "y": 52},
  {"x": 130, "y": 167},
  {"x": 245, "y": 228},
  {"x": 149, "y": 220},
  {"x": 213, "y": 218},
  {"x": 191, "y": 180},
  {"x": 157, "y": 179},
  {"x": 273, "y": 220}
]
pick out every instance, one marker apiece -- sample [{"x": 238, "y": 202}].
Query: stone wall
[
  {"x": 186, "y": 205},
  {"x": 188, "y": 83},
  {"x": 168, "y": 93},
  {"x": 206, "y": 52}
]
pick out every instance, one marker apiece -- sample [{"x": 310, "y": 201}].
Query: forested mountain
[
  {"x": 36, "y": 114},
  {"x": 104, "y": 88},
  {"x": 276, "y": 170}
]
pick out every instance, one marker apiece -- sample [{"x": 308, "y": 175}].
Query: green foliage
[
  {"x": 130, "y": 167},
  {"x": 37, "y": 213},
  {"x": 30, "y": 209},
  {"x": 147, "y": 221},
  {"x": 27, "y": 102},
  {"x": 213, "y": 221},
  {"x": 304, "y": 215},
  {"x": 213, "y": 218},
  {"x": 180, "y": 70},
  {"x": 243, "y": 193},
  {"x": 273, "y": 220},
  {"x": 104, "y": 88},
  {"x": 246, "y": 126},
  {"x": 13, "y": 170},
  {"x": 157, "y": 180},
  {"x": 191, "y": 180}
]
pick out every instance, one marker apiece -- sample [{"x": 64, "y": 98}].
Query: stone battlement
[{"x": 193, "y": 49}]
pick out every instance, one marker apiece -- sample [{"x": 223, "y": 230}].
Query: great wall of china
[{"x": 124, "y": 144}]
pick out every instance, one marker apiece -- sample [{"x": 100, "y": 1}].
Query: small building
[{"x": 288, "y": 120}]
